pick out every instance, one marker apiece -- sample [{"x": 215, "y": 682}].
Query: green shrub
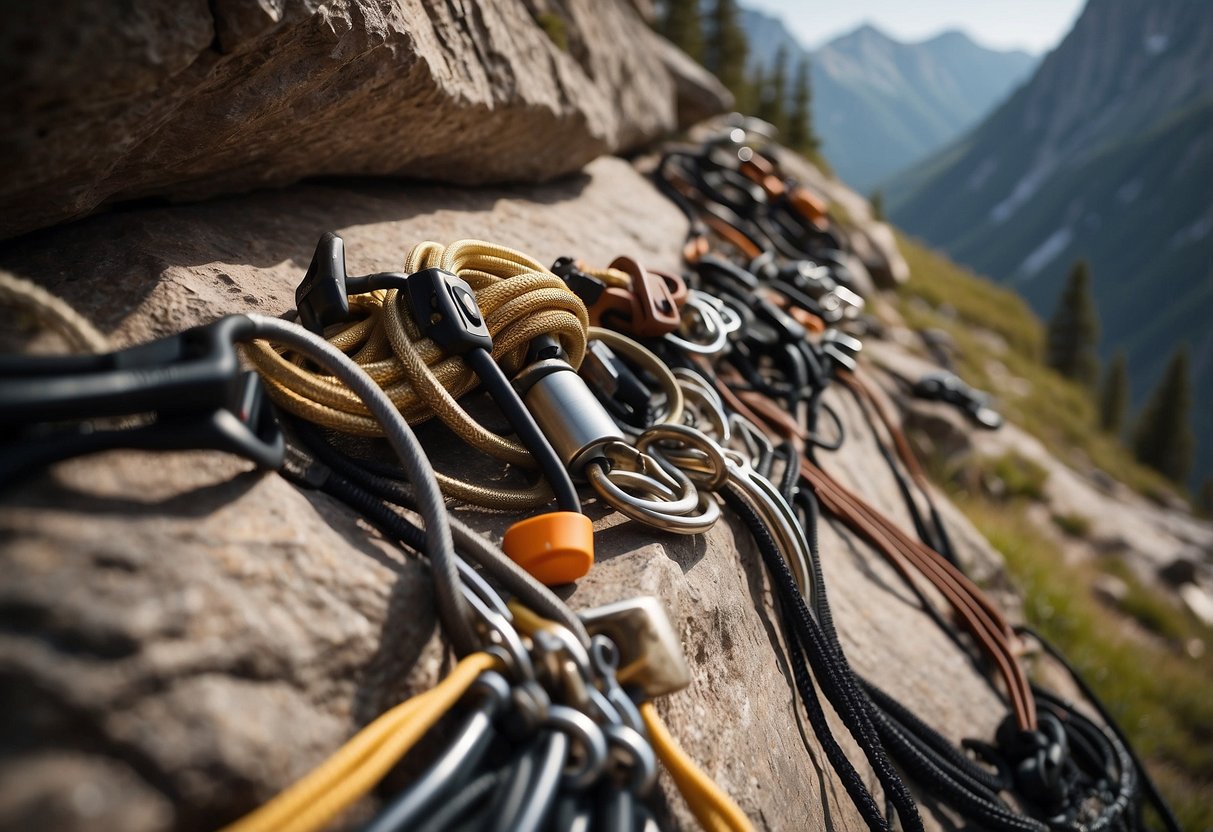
[
  {"x": 555, "y": 28},
  {"x": 1074, "y": 525},
  {"x": 1016, "y": 476}
]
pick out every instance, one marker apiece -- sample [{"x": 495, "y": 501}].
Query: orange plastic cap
[{"x": 556, "y": 548}]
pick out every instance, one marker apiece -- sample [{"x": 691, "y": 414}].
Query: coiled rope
[{"x": 520, "y": 299}]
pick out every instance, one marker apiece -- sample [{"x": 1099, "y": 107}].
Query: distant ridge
[
  {"x": 879, "y": 104},
  {"x": 1106, "y": 153}
]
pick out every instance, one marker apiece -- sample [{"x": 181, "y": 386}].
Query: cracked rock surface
[{"x": 109, "y": 102}]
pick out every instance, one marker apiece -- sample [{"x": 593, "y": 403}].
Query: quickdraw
[{"x": 668, "y": 394}]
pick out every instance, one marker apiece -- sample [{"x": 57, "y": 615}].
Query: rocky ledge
[{"x": 180, "y": 637}]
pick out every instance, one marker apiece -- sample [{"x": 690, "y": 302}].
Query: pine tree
[
  {"x": 1204, "y": 499},
  {"x": 1163, "y": 438},
  {"x": 681, "y": 25},
  {"x": 725, "y": 46},
  {"x": 1074, "y": 329},
  {"x": 1114, "y": 396},
  {"x": 748, "y": 99},
  {"x": 773, "y": 93},
  {"x": 876, "y": 201},
  {"x": 800, "y": 135}
]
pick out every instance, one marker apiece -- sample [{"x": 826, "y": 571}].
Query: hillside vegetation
[
  {"x": 1138, "y": 655},
  {"x": 943, "y": 295},
  {"x": 1105, "y": 155}
]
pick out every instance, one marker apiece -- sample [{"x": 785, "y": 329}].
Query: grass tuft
[
  {"x": 1073, "y": 525},
  {"x": 1008, "y": 477},
  {"x": 1061, "y": 414},
  {"x": 555, "y": 28}
]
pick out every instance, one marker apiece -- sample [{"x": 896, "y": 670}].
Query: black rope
[
  {"x": 1150, "y": 789},
  {"x": 815, "y": 641}
]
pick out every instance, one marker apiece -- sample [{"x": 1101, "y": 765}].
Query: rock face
[
  {"x": 189, "y": 99},
  {"x": 181, "y": 637}
]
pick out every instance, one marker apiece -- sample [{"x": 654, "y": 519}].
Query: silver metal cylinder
[{"x": 574, "y": 421}]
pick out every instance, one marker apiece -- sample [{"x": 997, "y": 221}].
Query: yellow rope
[
  {"x": 520, "y": 300},
  {"x": 52, "y": 312},
  {"x": 356, "y": 767},
  {"x": 714, "y": 809}
]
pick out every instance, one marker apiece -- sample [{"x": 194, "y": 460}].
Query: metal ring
[
  {"x": 604, "y": 656},
  {"x": 751, "y": 435},
  {"x": 623, "y": 500},
  {"x": 632, "y": 459},
  {"x": 730, "y": 318},
  {"x": 709, "y": 319},
  {"x": 693, "y": 439},
  {"x": 683, "y": 487},
  {"x": 558, "y": 670},
  {"x": 707, "y": 512},
  {"x": 529, "y": 704},
  {"x": 643, "y": 760},
  {"x": 691, "y": 512},
  {"x": 605, "y": 707},
  {"x": 697, "y": 392},
  {"x": 704, "y": 466},
  {"x": 593, "y": 745},
  {"x": 508, "y": 644},
  {"x": 642, "y": 483}
]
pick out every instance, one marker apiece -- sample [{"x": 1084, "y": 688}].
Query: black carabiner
[{"x": 188, "y": 391}]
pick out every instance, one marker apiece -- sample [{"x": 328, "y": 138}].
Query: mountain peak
[
  {"x": 1097, "y": 156},
  {"x": 958, "y": 39},
  {"x": 950, "y": 36},
  {"x": 864, "y": 33}
]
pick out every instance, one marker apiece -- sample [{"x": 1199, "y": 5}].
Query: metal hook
[
  {"x": 591, "y": 742},
  {"x": 698, "y": 315},
  {"x": 505, "y": 643},
  {"x": 703, "y": 516},
  {"x": 642, "y": 760},
  {"x": 696, "y": 447},
  {"x": 604, "y": 655}
]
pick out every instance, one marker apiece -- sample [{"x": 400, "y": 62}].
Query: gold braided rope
[
  {"x": 520, "y": 300},
  {"x": 52, "y": 312}
]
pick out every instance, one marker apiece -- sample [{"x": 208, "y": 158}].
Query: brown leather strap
[
  {"x": 809, "y": 206},
  {"x": 764, "y": 172},
  {"x": 649, "y": 307},
  {"x": 900, "y": 444},
  {"x": 694, "y": 248},
  {"x": 761, "y": 172},
  {"x": 976, "y": 613},
  {"x": 802, "y": 316},
  {"x": 732, "y": 235}
]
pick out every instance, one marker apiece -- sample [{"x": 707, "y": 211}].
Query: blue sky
[{"x": 1034, "y": 25}]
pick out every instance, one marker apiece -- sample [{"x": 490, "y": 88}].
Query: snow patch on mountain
[
  {"x": 1044, "y": 254},
  {"x": 1024, "y": 190}
]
